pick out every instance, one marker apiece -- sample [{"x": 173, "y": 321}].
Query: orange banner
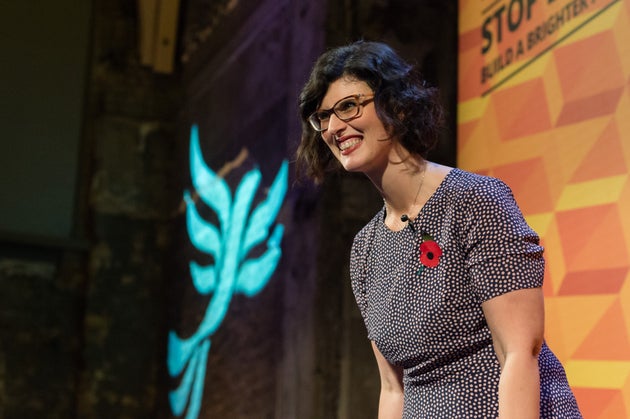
[{"x": 544, "y": 104}]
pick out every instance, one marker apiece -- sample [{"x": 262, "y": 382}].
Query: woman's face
[{"x": 360, "y": 144}]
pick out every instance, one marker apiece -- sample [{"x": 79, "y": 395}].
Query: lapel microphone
[{"x": 405, "y": 219}]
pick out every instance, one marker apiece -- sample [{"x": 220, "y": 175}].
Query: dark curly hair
[{"x": 410, "y": 111}]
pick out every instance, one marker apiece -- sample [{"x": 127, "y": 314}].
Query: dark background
[
  {"x": 44, "y": 71},
  {"x": 93, "y": 248}
]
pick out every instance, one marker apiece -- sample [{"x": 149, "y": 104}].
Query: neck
[{"x": 402, "y": 190}]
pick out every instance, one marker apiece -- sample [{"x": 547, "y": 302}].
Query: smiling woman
[
  {"x": 395, "y": 87},
  {"x": 447, "y": 275},
  {"x": 358, "y": 140}
]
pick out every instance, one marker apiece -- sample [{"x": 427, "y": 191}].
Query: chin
[
  {"x": 351, "y": 168},
  {"x": 352, "y": 164}
]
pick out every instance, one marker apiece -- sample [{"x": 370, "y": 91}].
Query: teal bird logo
[{"x": 240, "y": 229}]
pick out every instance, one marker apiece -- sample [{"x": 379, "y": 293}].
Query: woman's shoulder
[
  {"x": 462, "y": 184},
  {"x": 369, "y": 229}
]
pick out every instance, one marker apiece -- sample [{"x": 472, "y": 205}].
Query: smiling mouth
[{"x": 344, "y": 145}]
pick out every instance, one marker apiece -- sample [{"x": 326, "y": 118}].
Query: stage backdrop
[{"x": 544, "y": 104}]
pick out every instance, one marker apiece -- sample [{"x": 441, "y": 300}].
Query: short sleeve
[{"x": 502, "y": 252}]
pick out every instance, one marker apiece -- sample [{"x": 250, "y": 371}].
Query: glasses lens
[
  {"x": 315, "y": 122},
  {"x": 347, "y": 108}
]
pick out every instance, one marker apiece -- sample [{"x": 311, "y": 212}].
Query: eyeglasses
[{"x": 345, "y": 109}]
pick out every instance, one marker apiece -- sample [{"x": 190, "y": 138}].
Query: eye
[
  {"x": 323, "y": 115},
  {"x": 347, "y": 106}
]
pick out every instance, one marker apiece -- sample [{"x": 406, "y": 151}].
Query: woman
[{"x": 447, "y": 275}]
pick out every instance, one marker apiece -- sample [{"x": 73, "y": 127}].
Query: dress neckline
[{"x": 416, "y": 219}]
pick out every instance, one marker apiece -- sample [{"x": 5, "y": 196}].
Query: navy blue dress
[{"x": 429, "y": 320}]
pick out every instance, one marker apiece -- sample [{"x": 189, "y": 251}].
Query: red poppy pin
[{"x": 430, "y": 252}]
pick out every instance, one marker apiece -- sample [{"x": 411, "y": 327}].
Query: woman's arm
[
  {"x": 516, "y": 321},
  {"x": 390, "y": 405}
]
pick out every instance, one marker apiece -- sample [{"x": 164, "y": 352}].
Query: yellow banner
[{"x": 544, "y": 104}]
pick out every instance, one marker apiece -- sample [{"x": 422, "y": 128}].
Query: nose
[{"x": 335, "y": 125}]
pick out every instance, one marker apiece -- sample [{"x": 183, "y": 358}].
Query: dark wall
[
  {"x": 82, "y": 322},
  {"x": 83, "y": 326},
  {"x": 241, "y": 76},
  {"x": 42, "y": 82},
  {"x": 130, "y": 139}
]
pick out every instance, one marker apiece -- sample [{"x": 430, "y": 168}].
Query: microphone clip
[{"x": 405, "y": 219}]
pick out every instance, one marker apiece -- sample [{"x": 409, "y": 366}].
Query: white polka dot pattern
[{"x": 431, "y": 323}]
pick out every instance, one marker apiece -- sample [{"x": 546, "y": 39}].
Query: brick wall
[
  {"x": 131, "y": 197},
  {"x": 242, "y": 72}
]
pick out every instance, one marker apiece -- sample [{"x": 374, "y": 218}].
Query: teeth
[{"x": 349, "y": 143}]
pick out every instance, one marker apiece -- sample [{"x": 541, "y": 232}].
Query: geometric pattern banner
[{"x": 544, "y": 104}]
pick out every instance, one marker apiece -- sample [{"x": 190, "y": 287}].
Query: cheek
[{"x": 328, "y": 141}]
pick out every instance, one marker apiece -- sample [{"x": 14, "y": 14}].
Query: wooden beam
[
  {"x": 166, "y": 36},
  {"x": 147, "y": 22},
  {"x": 158, "y": 33}
]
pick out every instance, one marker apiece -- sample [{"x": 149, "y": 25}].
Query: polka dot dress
[{"x": 429, "y": 321}]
